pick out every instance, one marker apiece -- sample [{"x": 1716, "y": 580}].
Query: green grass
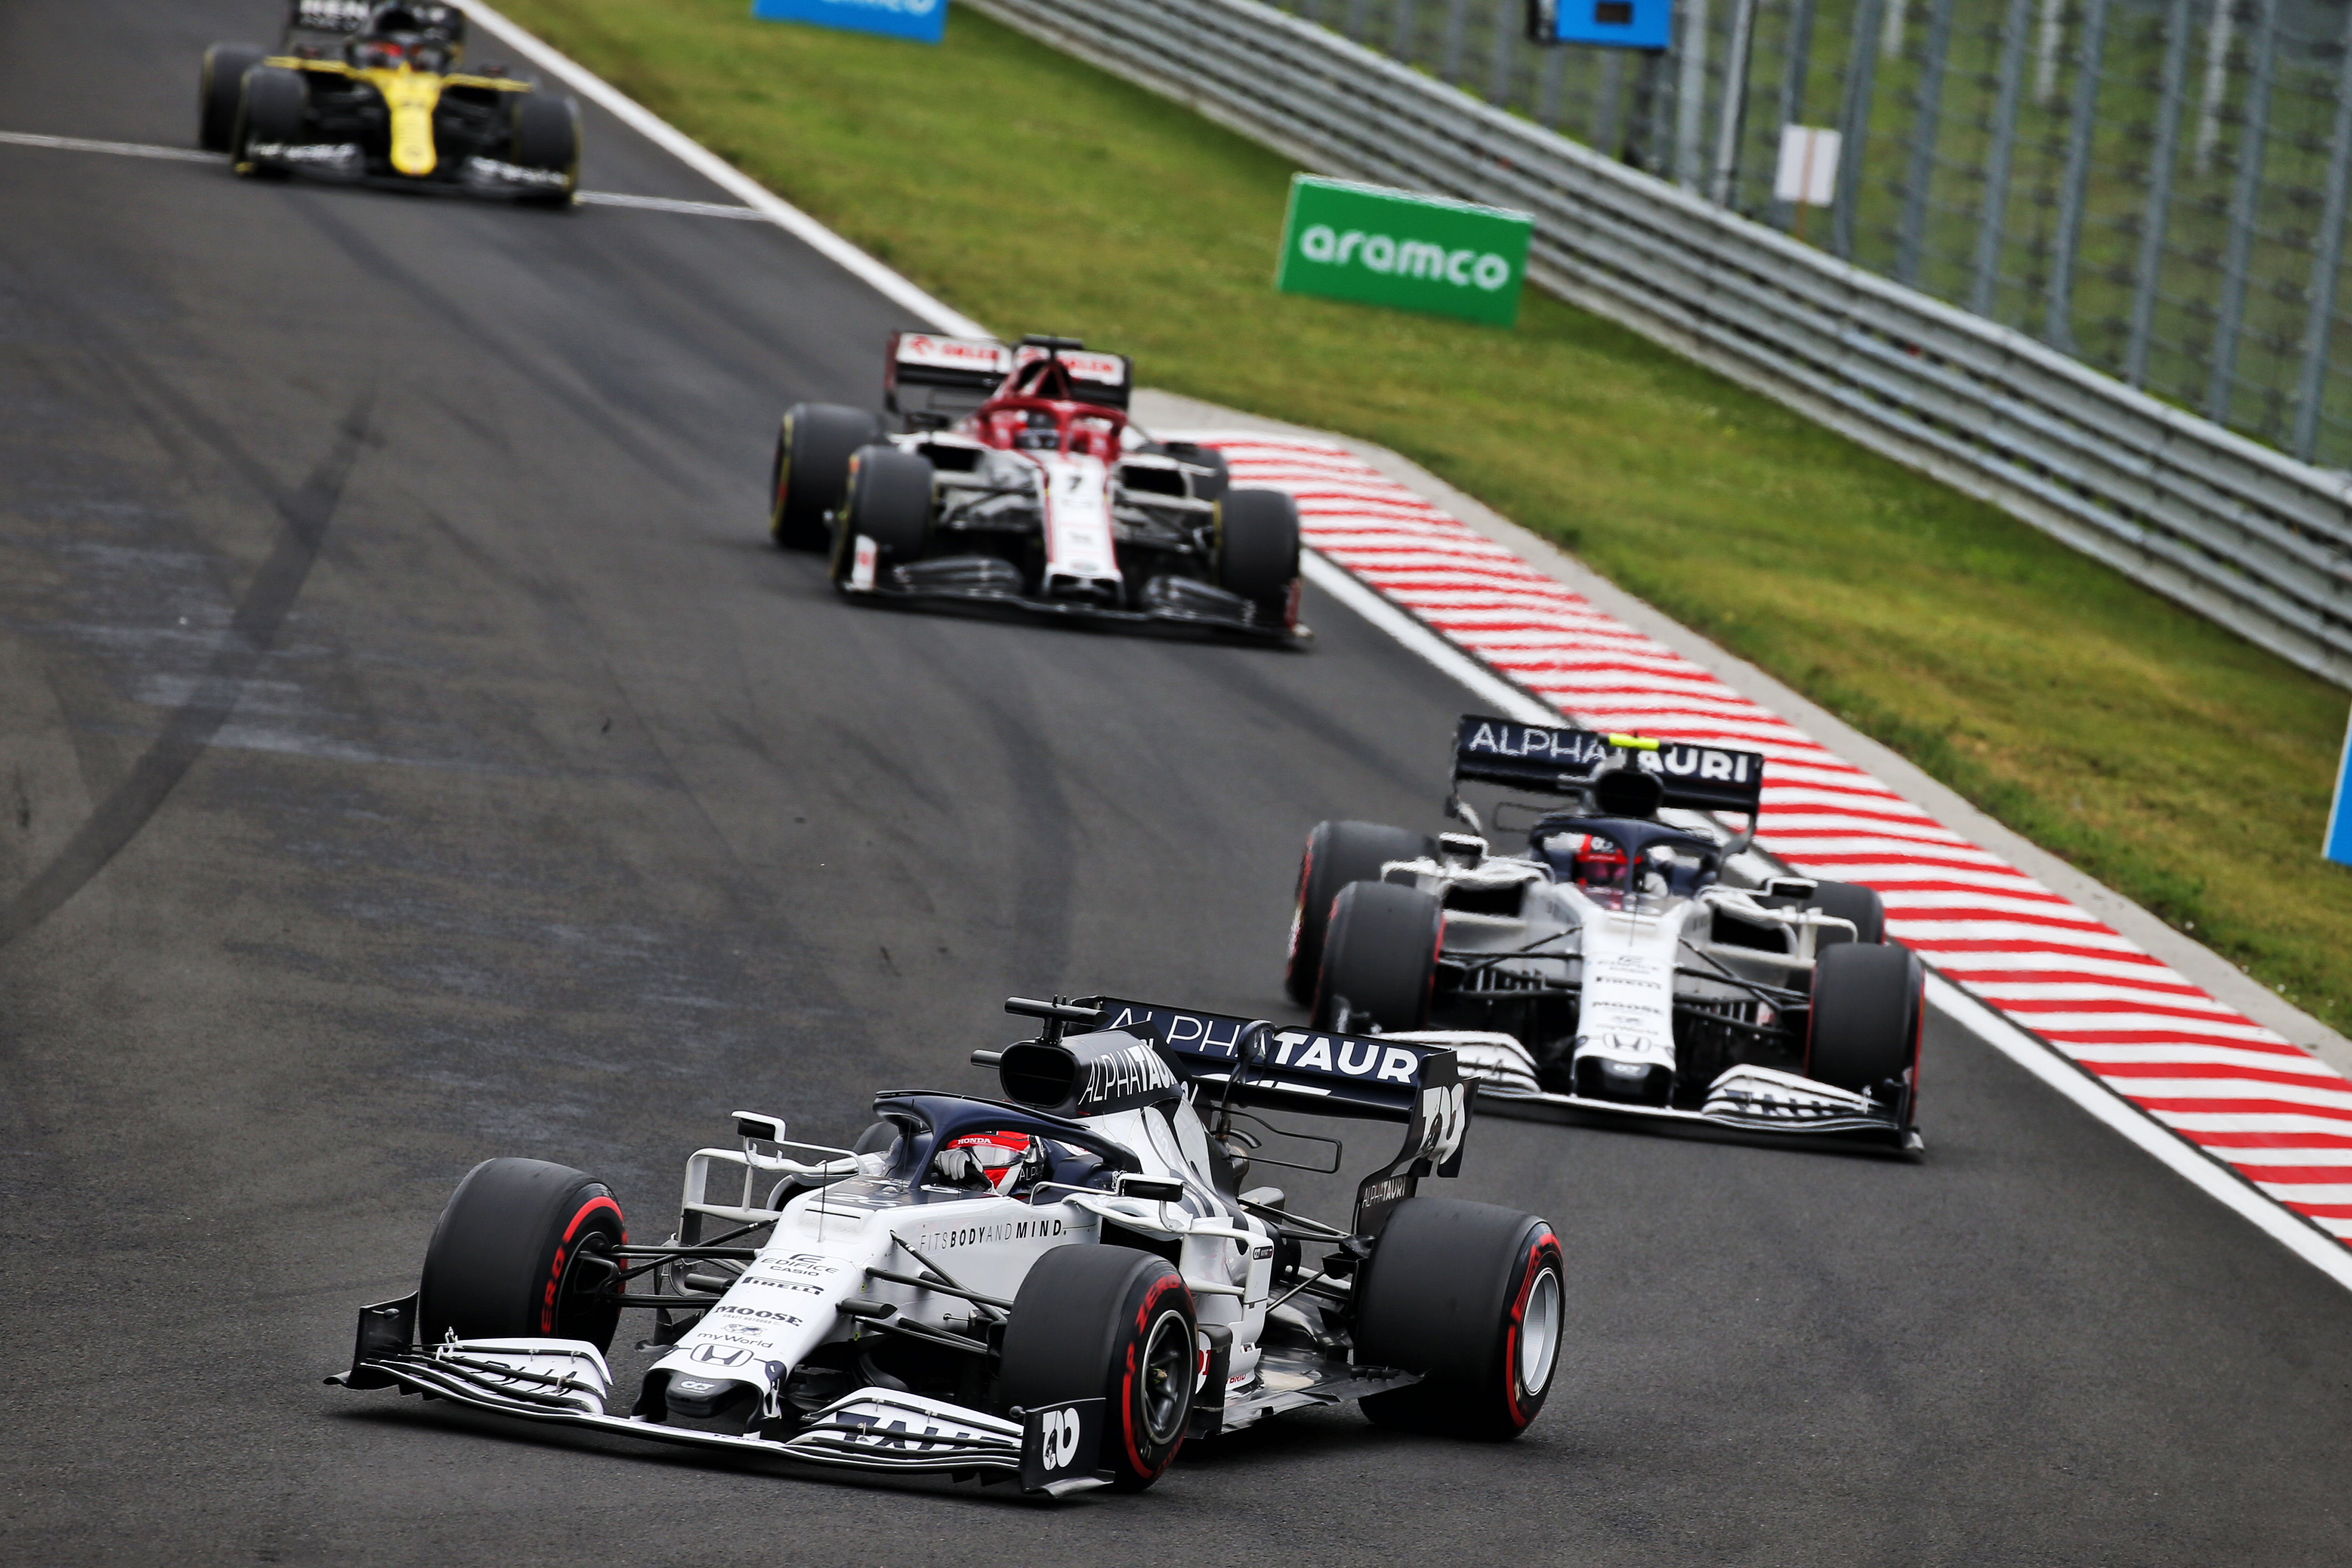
[{"x": 2157, "y": 752}]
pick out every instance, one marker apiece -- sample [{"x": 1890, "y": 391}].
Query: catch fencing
[{"x": 2258, "y": 541}]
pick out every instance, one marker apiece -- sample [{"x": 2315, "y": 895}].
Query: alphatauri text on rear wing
[{"x": 1563, "y": 761}]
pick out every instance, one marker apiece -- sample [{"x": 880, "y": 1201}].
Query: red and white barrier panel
[{"x": 2246, "y": 1097}]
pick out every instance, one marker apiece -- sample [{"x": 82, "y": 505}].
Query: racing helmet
[
  {"x": 394, "y": 33},
  {"x": 995, "y": 1162},
  {"x": 1590, "y": 860}
]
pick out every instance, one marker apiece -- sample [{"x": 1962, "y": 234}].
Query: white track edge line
[
  {"x": 118, "y": 149},
  {"x": 2283, "y": 1226},
  {"x": 898, "y": 290}
]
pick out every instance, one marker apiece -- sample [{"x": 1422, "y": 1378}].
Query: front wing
[
  {"x": 1749, "y": 1098},
  {"x": 1052, "y": 1450},
  {"x": 984, "y": 590}
]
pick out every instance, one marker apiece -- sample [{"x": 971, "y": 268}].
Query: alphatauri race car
[
  {"x": 364, "y": 91},
  {"x": 1624, "y": 964},
  {"x": 1057, "y": 1287},
  {"x": 1021, "y": 482}
]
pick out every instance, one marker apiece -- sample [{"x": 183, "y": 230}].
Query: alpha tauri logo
[
  {"x": 1581, "y": 750},
  {"x": 1394, "y": 257}
]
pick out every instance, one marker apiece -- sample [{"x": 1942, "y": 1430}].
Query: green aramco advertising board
[{"x": 1380, "y": 247}]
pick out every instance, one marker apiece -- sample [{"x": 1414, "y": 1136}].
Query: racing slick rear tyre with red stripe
[
  {"x": 1113, "y": 1323},
  {"x": 1868, "y": 1002},
  {"x": 1473, "y": 1298},
  {"x": 546, "y": 137},
  {"x": 1380, "y": 958},
  {"x": 889, "y": 502},
  {"x": 1337, "y": 854},
  {"x": 1258, "y": 553},
  {"x": 811, "y": 473},
  {"x": 1849, "y": 902},
  {"x": 505, "y": 1262},
  {"x": 218, "y": 89},
  {"x": 272, "y": 107}
]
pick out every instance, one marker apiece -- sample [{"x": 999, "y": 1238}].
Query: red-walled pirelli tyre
[
  {"x": 1338, "y": 853},
  {"x": 1380, "y": 957},
  {"x": 1472, "y": 1297},
  {"x": 504, "y": 1262},
  {"x": 1110, "y": 1322},
  {"x": 1865, "y": 1033},
  {"x": 811, "y": 473}
]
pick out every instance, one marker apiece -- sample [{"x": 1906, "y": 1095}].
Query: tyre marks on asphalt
[{"x": 304, "y": 512}]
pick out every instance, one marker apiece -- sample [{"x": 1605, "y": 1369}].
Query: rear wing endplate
[
  {"x": 345, "y": 17},
  {"x": 1559, "y": 760}
]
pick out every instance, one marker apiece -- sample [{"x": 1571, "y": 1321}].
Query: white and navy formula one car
[
  {"x": 1057, "y": 1287},
  {"x": 1624, "y": 964},
  {"x": 1021, "y": 483}
]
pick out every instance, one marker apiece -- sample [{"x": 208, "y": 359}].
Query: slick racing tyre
[
  {"x": 889, "y": 502},
  {"x": 1258, "y": 553},
  {"x": 1380, "y": 958},
  {"x": 505, "y": 1261},
  {"x": 1338, "y": 853},
  {"x": 1212, "y": 485},
  {"x": 1865, "y": 1033},
  {"x": 272, "y": 108},
  {"x": 217, "y": 91},
  {"x": 547, "y": 136},
  {"x": 1849, "y": 902},
  {"x": 1470, "y": 1296},
  {"x": 811, "y": 472},
  {"x": 1113, "y": 1323}
]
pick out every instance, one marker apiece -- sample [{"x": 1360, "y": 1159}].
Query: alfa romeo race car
[
  {"x": 1058, "y": 1287},
  {"x": 361, "y": 90},
  {"x": 1021, "y": 482},
  {"x": 1623, "y": 963}
]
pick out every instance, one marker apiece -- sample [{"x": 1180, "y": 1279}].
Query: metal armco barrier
[{"x": 2258, "y": 541}]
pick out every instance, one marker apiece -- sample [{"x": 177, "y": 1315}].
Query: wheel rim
[
  {"x": 1167, "y": 1375},
  {"x": 1540, "y": 1333}
]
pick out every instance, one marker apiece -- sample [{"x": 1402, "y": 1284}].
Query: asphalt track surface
[{"x": 412, "y": 751}]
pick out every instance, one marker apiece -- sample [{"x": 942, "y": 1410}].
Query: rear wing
[
  {"x": 342, "y": 18},
  {"x": 1565, "y": 762},
  {"x": 973, "y": 367},
  {"x": 970, "y": 370},
  {"x": 1249, "y": 1062}
]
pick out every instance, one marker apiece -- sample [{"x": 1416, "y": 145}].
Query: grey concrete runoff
[
  {"x": 412, "y": 751},
  {"x": 2222, "y": 979}
]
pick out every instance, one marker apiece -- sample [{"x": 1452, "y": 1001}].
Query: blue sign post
[
  {"x": 1611, "y": 24},
  {"x": 925, "y": 21},
  {"x": 2339, "y": 818}
]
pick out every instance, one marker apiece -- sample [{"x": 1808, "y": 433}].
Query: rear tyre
[
  {"x": 272, "y": 105},
  {"x": 504, "y": 1262},
  {"x": 1338, "y": 853},
  {"x": 1849, "y": 902},
  {"x": 1113, "y": 1323},
  {"x": 1258, "y": 553},
  {"x": 889, "y": 502},
  {"x": 547, "y": 136},
  {"x": 811, "y": 473},
  {"x": 1865, "y": 1033},
  {"x": 1380, "y": 958},
  {"x": 1472, "y": 1297},
  {"x": 1210, "y": 486},
  {"x": 217, "y": 90}
]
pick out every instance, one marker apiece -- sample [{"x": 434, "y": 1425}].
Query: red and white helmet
[{"x": 1003, "y": 1160}]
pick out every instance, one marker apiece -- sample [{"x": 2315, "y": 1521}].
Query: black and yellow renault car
[{"x": 369, "y": 90}]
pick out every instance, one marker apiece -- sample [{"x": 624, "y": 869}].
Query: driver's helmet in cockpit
[
  {"x": 396, "y": 35},
  {"x": 1587, "y": 860},
  {"x": 1000, "y": 1162}
]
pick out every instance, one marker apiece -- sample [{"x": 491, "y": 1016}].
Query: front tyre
[
  {"x": 273, "y": 108},
  {"x": 505, "y": 1262},
  {"x": 1473, "y": 1298},
  {"x": 1380, "y": 958},
  {"x": 1113, "y": 1323},
  {"x": 217, "y": 91},
  {"x": 1258, "y": 553},
  {"x": 1337, "y": 854},
  {"x": 811, "y": 472},
  {"x": 889, "y": 502},
  {"x": 1849, "y": 902},
  {"x": 1868, "y": 1004},
  {"x": 546, "y": 137}
]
